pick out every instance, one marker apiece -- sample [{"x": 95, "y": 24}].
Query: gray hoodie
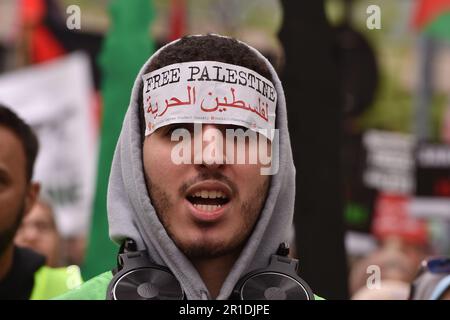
[{"x": 132, "y": 215}]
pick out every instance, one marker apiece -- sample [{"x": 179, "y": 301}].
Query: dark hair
[
  {"x": 205, "y": 48},
  {"x": 23, "y": 131}
]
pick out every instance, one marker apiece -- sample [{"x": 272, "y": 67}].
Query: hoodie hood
[{"x": 132, "y": 215}]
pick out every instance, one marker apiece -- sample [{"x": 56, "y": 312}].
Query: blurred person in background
[
  {"x": 402, "y": 243},
  {"x": 396, "y": 272},
  {"x": 432, "y": 281},
  {"x": 39, "y": 232},
  {"x": 387, "y": 290},
  {"x": 23, "y": 274}
]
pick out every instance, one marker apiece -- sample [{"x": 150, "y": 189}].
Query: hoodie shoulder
[{"x": 94, "y": 289}]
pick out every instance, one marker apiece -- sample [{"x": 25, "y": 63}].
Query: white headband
[{"x": 209, "y": 92}]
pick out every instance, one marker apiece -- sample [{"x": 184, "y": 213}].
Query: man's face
[
  {"x": 209, "y": 210},
  {"x": 16, "y": 194},
  {"x": 38, "y": 232}
]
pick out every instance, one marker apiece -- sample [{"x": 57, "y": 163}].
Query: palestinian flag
[{"x": 433, "y": 18}]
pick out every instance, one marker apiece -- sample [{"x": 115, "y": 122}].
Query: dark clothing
[{"x": 19, "y": 281}]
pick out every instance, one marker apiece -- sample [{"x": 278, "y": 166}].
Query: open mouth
[{"x": 208, "y": 200}]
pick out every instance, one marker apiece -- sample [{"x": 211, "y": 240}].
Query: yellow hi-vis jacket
[{"x": 52, "y": 282}]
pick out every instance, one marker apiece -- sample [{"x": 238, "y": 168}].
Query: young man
[
  {"x": 180, "y": 197},
  {"x": 23, "y": 274}
]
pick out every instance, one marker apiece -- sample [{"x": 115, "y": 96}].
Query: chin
[{"x": 205, "y": 247}]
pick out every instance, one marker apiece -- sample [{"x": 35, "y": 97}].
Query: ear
[{"x": 32, "y": 195}]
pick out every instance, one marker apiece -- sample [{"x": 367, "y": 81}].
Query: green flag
[
  {"x": 440, "y": 27},
  {"x": 126, "y": 47}
]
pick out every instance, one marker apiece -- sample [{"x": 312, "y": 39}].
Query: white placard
[{"x": 56, "y": 99}]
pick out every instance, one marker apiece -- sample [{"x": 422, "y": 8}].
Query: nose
[{"x": 212, "y": 154}]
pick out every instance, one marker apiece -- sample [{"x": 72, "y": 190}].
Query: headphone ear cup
[
  {"x": 268, "y": 285},
  {"x": 147, "y": 283},
  {"x": 140, "y": 279},
  {"x": 279, "y": 281}
]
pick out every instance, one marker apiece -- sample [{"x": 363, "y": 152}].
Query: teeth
[
  {"x": 205, "y": 194},
  {"x": 208, "y": 208}
]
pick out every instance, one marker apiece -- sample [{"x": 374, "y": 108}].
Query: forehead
[
  {"x": 12, "y": 154},
  {"x": 40, "y": 212}
]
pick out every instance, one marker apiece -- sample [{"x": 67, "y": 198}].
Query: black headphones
[{"x": 138, "y": 278}]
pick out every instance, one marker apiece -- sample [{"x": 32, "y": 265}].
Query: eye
[
  {"x": 42, "y": 226},
  {"x": 236, "y": 127},
  {"x": 167, "y": 131},
  {"x": 4, "y": 179}
]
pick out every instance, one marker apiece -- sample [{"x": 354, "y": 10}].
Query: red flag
[
  {"x": 41, "y": 43},
  {"x": 427, "y": 10},
  {"x": 177, "y": 19}
]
